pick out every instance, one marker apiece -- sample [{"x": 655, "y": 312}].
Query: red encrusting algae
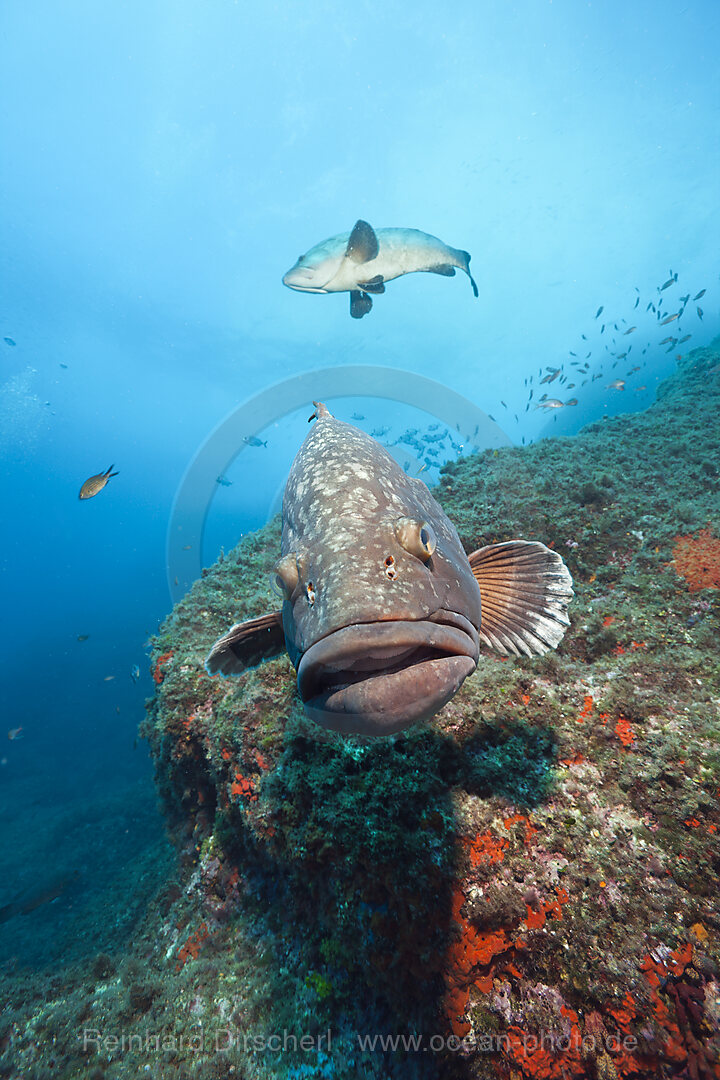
[
  {"x": 192, "y": 946},
  {"x": 697, "y": 559},
  {"x": 624, "y": 732},
  {"x": 473, "y": 950},
  {"x": 158, "y": 671},
  {"x": 588, "y": 706},
  {"x": 486, "y": 849},
  {"x": 244, "y": 787}
]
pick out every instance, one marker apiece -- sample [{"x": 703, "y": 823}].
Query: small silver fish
[
  {"x": 362, "y": 261},
  {"x": 698, "y": 297},
  {"x": 9, "y": 341},
  {"x": 700, "y": 313},
  {"x": 632, "y": 328},
  {"x": 669, "y": 319},
  {"x": 599, "y": 312},
  {"x": 668, "y": 283},
  {"x": 551, "y": 403},
  {"x": 616, "y": 384},
  {"x": 135, "y": 672},
  {"x": 95, "y": 484},
  {"x": 252, "y": 440},
  {"x": 572, "y": 401}
]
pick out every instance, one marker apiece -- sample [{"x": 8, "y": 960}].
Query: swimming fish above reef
[
  {"x": 96, "y": 483},
  {"x": 35, "y": 896},
  {"x": 383, "y": 613},
  {"x": 362, "y": 261}
]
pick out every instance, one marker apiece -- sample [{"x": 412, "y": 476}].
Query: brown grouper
[{"x": 384, "y": 613}]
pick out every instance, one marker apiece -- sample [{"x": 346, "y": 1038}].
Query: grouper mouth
[{"x": 378, "y": 678}]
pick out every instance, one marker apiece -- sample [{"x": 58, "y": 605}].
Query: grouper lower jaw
[{"x": 379, "y": 678}]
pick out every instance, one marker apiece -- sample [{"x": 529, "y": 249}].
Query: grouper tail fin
[
  {"x": 525, "y": 589},
  {"x": 247, "y": 644},
  {"x": 466, "y": 256}
]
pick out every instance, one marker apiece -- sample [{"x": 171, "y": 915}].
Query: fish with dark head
[{"x": 384, "y": 614}]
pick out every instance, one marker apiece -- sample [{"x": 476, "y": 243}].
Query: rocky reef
[{"x": 527, "y": 886}]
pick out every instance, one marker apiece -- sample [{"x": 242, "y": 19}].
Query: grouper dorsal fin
[
  {"x": 363, "y": 243},
  {"x": 247, "y": 644},
  {"x": 525, "y": 589}
]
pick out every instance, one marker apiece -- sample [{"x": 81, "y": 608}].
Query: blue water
[{"x": 162, "y": 166}]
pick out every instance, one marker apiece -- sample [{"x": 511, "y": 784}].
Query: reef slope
[{"x": 528, "y": 885}]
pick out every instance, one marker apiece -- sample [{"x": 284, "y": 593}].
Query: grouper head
[
  {"x": 383, "y": 611},
  {"x": 317, "y": 268}
]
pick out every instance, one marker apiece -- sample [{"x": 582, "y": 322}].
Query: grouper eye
[
  {"x": 417, "y": 537},
  {"x": 286, "y": 574}
]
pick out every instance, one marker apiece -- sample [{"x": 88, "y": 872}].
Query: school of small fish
[{"x": 611, "y": 354}]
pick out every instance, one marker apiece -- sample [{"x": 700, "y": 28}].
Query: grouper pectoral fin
[
  {"x": 374, "y": 285},
  {"x": 446, "y": 271},
  {"x": 525, "y": 589},
  {"x": 360, "y": 303},
  {"x": 363, "y": 243},
  {"x": 247, "y": 644}
]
